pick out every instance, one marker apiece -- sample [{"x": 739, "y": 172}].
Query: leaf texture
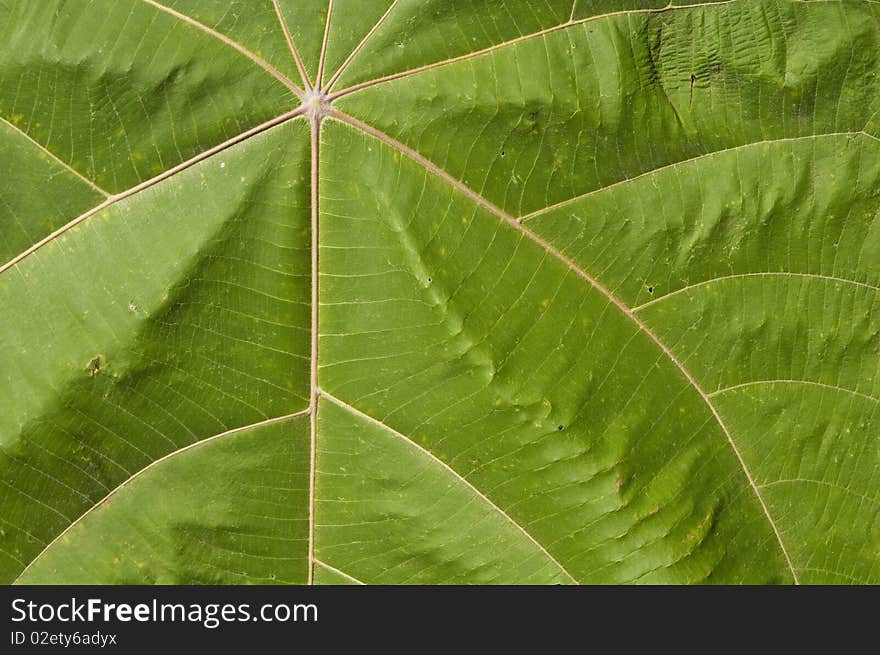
[{"x": 422, "y": 292}]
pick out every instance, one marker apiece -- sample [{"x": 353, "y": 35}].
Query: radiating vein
[
  {"x": 320, "y": 77},
  {"x": 627, "y": 311},
  {"x": 299, "y": 64},
  {"x": 259, "y": 61},
  {"x": 517, "y": 223},
  {"x": 360, "y": 46}
]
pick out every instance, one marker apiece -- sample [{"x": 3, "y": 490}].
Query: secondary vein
[
  {"x": 519, "y": 39},
  {"x": 148, "y": 183},
  {"x": 456, "y": 474},
  {"x": 150, "y": 466},
  {"x": 627, "y": 311},
  {"x": 56, "y": 158}
]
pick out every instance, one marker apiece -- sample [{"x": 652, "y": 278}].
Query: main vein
[
  {"x": 315, "y": 138},
  {"x": 324, "y": 42},
  {"x": 430, "y": 166}
]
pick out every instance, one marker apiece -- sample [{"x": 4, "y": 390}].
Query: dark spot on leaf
[
  {"x": 533, "y": 122},
  {"x": 560, "y": 427},
  {"x": 94, "y": 365},
  {"x": 650, "y": 289}
]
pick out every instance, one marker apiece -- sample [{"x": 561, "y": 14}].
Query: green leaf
[{"x": 416, "y": 291}]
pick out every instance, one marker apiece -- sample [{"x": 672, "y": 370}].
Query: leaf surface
[{"x": 403, "y": 291}]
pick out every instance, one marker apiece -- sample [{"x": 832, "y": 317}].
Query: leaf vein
[
  {"x": 736, "y": 276},
  {"x": 152, "y": 465},
  {"x": 518, "y": 225},
  {"x": 56, "y": 158},
  {"x": 262, "y": 63},
  {"x": 455, "y": 473}
]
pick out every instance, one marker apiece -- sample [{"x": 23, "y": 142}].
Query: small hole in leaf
[
  {"x": 430, "y": 279},
  {"x": 503, "y": 153},
  {"x": 650, "y": 289},
  {"x": 560, "y": 427}
]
